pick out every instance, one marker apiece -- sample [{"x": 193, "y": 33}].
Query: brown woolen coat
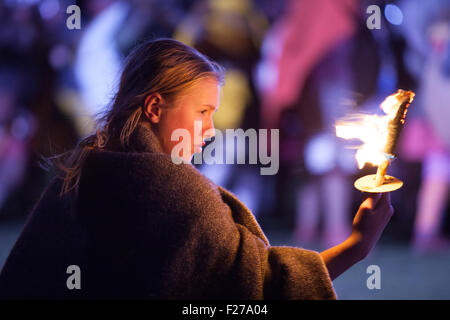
[{"x": 144, "y": 227}]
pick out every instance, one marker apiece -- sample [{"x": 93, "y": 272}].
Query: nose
[{"x": 208, "y": 130}]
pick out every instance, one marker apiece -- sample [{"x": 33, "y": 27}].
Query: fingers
[
  {"x": 371, "y": 200},
  {"x": 384, "y": 201},
  {"x": 378, "y": 202},
  {"x": 384, "y": 206}
]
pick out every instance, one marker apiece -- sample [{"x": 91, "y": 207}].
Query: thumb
[{"x": 370, "y": 200}]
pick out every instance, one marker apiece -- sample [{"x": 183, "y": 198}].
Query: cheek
[
  {"x": 175, "y": 120},
  {"x": 191, "y": 122},
  {"x": 177, "y": 124},
  {"x": 184, "y": 119}
]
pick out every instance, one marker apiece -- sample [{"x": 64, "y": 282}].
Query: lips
[{"x": 200, "y": 146}]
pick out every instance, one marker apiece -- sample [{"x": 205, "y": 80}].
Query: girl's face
[{"x": 195, "y": 104}]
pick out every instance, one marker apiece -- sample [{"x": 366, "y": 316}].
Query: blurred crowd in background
[{"x": 296, "y": 65}]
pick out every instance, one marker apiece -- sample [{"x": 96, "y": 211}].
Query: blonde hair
[{"x": 163, "y": 66}]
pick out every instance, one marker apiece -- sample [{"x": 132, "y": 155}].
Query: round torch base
[{"x": 367, "y": 184}]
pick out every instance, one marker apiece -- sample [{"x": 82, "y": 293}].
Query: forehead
[{"x": 205, "y": 91}]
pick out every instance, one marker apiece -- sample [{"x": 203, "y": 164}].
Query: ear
[{"x": 153, "y": 107}]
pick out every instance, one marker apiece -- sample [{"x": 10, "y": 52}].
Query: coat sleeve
[
  {"x": 219, "y": 257},
  {"x": 289, "y": 270}
]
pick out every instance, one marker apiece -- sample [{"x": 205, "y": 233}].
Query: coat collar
[{"x": 143, "y": 139}]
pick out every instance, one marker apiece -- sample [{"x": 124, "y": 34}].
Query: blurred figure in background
[
  {"x": 427, "y": 135},
  {"x": 308, "y": 85}
]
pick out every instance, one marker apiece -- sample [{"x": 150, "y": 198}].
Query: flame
[{"x": 372, "y": 130}]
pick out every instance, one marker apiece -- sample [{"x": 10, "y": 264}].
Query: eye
[{"x": 203, "y": 111}]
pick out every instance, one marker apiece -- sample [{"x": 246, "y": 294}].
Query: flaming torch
[{"x": 380, "y": 136}]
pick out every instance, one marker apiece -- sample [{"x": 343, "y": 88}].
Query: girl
[{"x": 122, "y": 220}]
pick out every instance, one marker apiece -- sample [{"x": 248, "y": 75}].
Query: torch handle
[{"x": 381, "y": 172}]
